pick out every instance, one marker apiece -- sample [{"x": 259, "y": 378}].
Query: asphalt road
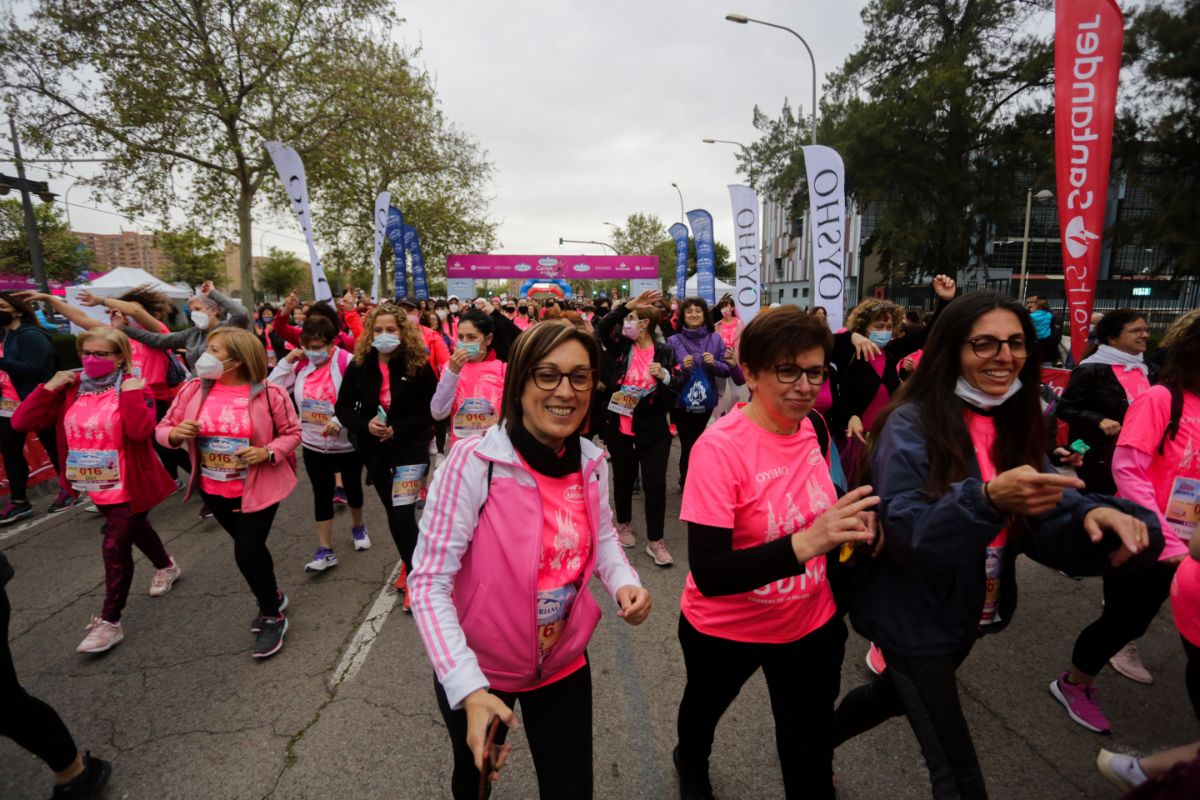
[{"x": 347, "y": 709}]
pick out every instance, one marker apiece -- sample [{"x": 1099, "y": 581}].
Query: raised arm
[{"x": 76, "y": 315}]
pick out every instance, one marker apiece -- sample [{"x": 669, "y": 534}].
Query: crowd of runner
[{"x": 887, "y": 474}]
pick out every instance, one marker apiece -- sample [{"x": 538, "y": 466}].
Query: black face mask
[
  {"x": 6, "y": 319},
  {"x": 523, "y": 310},
  {"x": 510, "y": 309},
  {"x": 602, "y": 310}
]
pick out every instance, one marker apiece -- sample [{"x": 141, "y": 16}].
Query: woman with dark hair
[
  {"x": 729, "y": 325},
  {"x": 264, "y": 329},
  {"x": 384, "y": 403},
  {"x": 700, "y": 353},
  {"x": 480, "y": 579},
  {"x": 762, "y": 512},
  {"x": 1152, "y": 464},
  {"x": 290, "y": 333},
  {"x": 26, "y": 360},
  {"x": 958, "y": 460},
  {"x": 645, "y": 385},
  {"x": 469, "y": 390}
]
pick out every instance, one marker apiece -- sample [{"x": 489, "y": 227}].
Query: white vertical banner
[
  {"x": 291, "y": 173},
  {"x": 827, "y": 205},
  {"x": 381, "y": 217},
  {"x": 747, "y": 291}
]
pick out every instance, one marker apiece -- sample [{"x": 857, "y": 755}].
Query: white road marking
[
  {"x": 364, "y": 638},
  {"x": 33, "y": 523}
]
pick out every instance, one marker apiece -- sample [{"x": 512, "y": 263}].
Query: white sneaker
[
  {"x": 1120, "y": 770},
  {"x": 101, "y": 636},
  {"x": 361, "y": 540},
  {"x": 323, "y": 560},
  {"x": 164, "y": 579}
]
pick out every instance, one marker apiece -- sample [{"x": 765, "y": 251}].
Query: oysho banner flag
[
  {"x": 679, "y": 233},
  {"x": 291, "y": 172},
  {"x": 1087, "y": 62},
  {"x": 747, "y": 288},
  {"x": 395, "y": 235},
  {"x": 827, "y": 205},
  {"x": 412, "y": 243},
  {"x": 702, "y": 232},
  {"x": 381, "y": 219}
]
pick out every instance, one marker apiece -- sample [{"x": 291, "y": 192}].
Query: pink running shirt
[
  {"x": 983, "y": 436},
  {"x": 1133, "y": 381},
  {"x": 9, "y": 399},
  {"x": 151, "y": 364},
  {"x": 385, "y": 386},
  {"x": 94, "y": 436},
  {"x": 1185, "y": 599},
  {"x": 224, "y": 428},
  {"x": 638, "y": 377},
  {"x": 763, "y": 486}
]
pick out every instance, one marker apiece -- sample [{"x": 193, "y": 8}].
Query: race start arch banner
[
  {"x": 483, "y": 266},
  {"x": 827, "y": 206},
  {"x": 1087, "y": 62}
]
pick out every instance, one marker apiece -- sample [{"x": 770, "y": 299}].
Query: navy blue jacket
[
  {"x": 924, "y": 593},
  {"x": 28, "y": 357}
]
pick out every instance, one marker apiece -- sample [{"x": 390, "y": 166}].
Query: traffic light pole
[{"x": 31, "y": 229}]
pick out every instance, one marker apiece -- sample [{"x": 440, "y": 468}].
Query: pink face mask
[{"x": 98, "y": 366}]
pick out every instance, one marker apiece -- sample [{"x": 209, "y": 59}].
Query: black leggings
[
  {"x": 627, "y": 454},
  {"x": 803, "y": 679},
  {"x": 249, "y": 532},
  {"x": 12, "y": 450},
  {"x": 26, "y": 720},
  {"x": 173, "y": 458},
  {"x": 689, "y": 427},
  {"x": 1192, "y": 674},
  {"x": 557, "y": 720},
  {"x": 322, "y": 471},
  {"x": 402, "y": 520},
  {"x": 926, "y": 690},
  {"x": 1131, "y": 600}
]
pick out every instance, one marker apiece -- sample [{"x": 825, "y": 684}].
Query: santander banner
[
  {"x": 1087, "y": 61},
  {"x": 571, "y": 268}
]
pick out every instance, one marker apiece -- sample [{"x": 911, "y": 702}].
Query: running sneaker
[
  {"x": 102, "y": 636},
  {"x": 64, "y": 501},
  {"x": 339, "y": 497},
  {"x": 205, "y": 511},
  {"x": 88, "y": 784},
  {"x": 15, "y": 511},
  {"x": 164, "y": 579},
  {"x": 1080, "y": 702},
  {"x": 625, "y": 534},
  {"x": 323, "y": 560},
  {"x": 657, "y": 550},
  {"x": 1129, "y": 663},
  {"x": 1122, "y": 771},
  {"x": 401, "y": 584},
  {"x": 361, "y": 540},
  {"x": 875, "y": 661},
  {"x": 179, "y": 484},
  {"x": 269, "y": 638},
  {"x": 637, "y": 484},
  {"x": 283, "y": 603}
]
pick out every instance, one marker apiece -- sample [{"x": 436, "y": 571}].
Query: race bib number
[
  {"x": 406, "y": 484},
  {"x": 217, "y": 459},
  {"x": 8, "y": 406},
  {"x": 626, "y": 400},
  {"x": 474, "y": 417},
  {"x": 316, "y": 413},
  {"x": 93, "y": 470},
  {"x": 553, "y": 606},
  {"x": 991, "y": 598},
  {"x": 1183, "y": 507}
]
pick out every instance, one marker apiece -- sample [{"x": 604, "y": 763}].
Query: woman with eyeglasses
[
  {"x": 104, "y": 418},
  {"x": 504, "y": 609},
  {"x": 384, "y": 403},
  {"x": 762, "y": 513},
  {"x": 645, "y": 384},
  {"x": 958, "y": 459}
]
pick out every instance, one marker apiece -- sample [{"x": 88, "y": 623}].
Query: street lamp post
[
  {"x": 1044, "y": 194},
  {"x": 682, "y": 215},
  {"x": 742, "y": 19},
  {"x": 562, "y": 241},
  {"x": 723, "y": 141},
  {"x": 31, "y": 229}
]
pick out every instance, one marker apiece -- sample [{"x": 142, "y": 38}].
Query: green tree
[
  {"x": 280, "y": 272},
  {"x": 189, "y": 92},
  {"x": 195, "y": 258},
  {"x": 640, "y": 234},
  {"x": 64, "y": 256}
]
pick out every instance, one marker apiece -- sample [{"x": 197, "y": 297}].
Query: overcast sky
[{"x": 590, "y": 110}]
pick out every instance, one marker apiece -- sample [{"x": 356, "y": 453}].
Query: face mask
[
  {"x": 510, "y": 309},
  {"x": 442, "y": 313},
  {"x": 522, "y": 310},
  {"x": 386, "y": 342},
  {"x": 454, "y": 308},
  {"x": 317, "y": 357},
  {"x": 98, "y": 366},
  {"x": 268, "y": 320},
  {"x": 6, "y": 319},
  {"x": 200, "y": 319},
  {"x": 209, "y": 366},
  {"x": 413, "y": 319},
  {"x": 472, "y": 349},
  {"x": 631, "y": 329},
  {"x": 880, "y": 338}
]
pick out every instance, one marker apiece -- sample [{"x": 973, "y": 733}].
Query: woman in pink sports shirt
[
  {"x": 105, "y": 423},
  {"x": 241, "y": 433},
  {"x": 762, "y": 512},
  {"x": 491, "y": 639},
  {"x": 469, "y": 390}
]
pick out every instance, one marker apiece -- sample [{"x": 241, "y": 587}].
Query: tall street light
[
  {"x": 742, "y": 19},
  {"x": 562, "y": 241},
  {"x": 682, "y": 215},
  {"x": 1044, "y": 194},
  {"x": 723, "y": 141}
]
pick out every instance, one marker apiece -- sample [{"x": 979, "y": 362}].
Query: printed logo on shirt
[
  {"x": 771, "y": 474},
  {"x": 793, "y": 589},
  {"x": 573, "y": 494},
  {"x": 793, "y": 520},
  {"x": 1190, "y": 457},
  {"x": 815, "y": 457}
]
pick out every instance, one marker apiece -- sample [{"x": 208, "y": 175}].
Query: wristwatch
[{"x": 270, "y": 455}]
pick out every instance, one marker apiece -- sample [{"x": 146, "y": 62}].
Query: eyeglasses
[
  {"x": 790, "y": 373},
  {"x": 989, "y": 346},
  {"x": 105, "y": 354},
  {"x": 548, "y": 378}
]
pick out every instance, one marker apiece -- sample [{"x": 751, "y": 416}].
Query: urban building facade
[{"x": 125, "y": 249}]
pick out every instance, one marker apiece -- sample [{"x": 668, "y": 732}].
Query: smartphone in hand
[{"x": 490, "y": 751}]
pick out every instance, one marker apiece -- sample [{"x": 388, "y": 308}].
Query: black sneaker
[
  {"x": 64, "y": 501},
  {"x": 691, "y": 787},
  {"x": 205, "y": 511},
  {"x": 88, "y": 784},
  {"x": 14, "y": 512},
  {"x": 282, "y": 607},
  {"x": 269, "y": 639}
]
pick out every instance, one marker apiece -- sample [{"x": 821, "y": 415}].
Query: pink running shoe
[
  {"x": 1080, "y": 702},
  {"x": 875, "y": 661},
  {"x": 658, "y": 551},
  {"x": 164, "y": 579},
  {"x": 101, "y": 636},
  {"x": 625, "y": 534},
  {"x": 1128, "y": 663}
]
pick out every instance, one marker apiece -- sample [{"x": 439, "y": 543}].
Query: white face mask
[
  {"x": 442, "y": 313},
  {"x": 413, "y": 319},
  {"x": 209, "y": 366},
  {"x": 200, "y": 319},
  {"x": 317, "y": 357},
  {"x": 454, "y": 308},
  {"x": 385, "y": 342},
  {"x": 981, "y": 399}
]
